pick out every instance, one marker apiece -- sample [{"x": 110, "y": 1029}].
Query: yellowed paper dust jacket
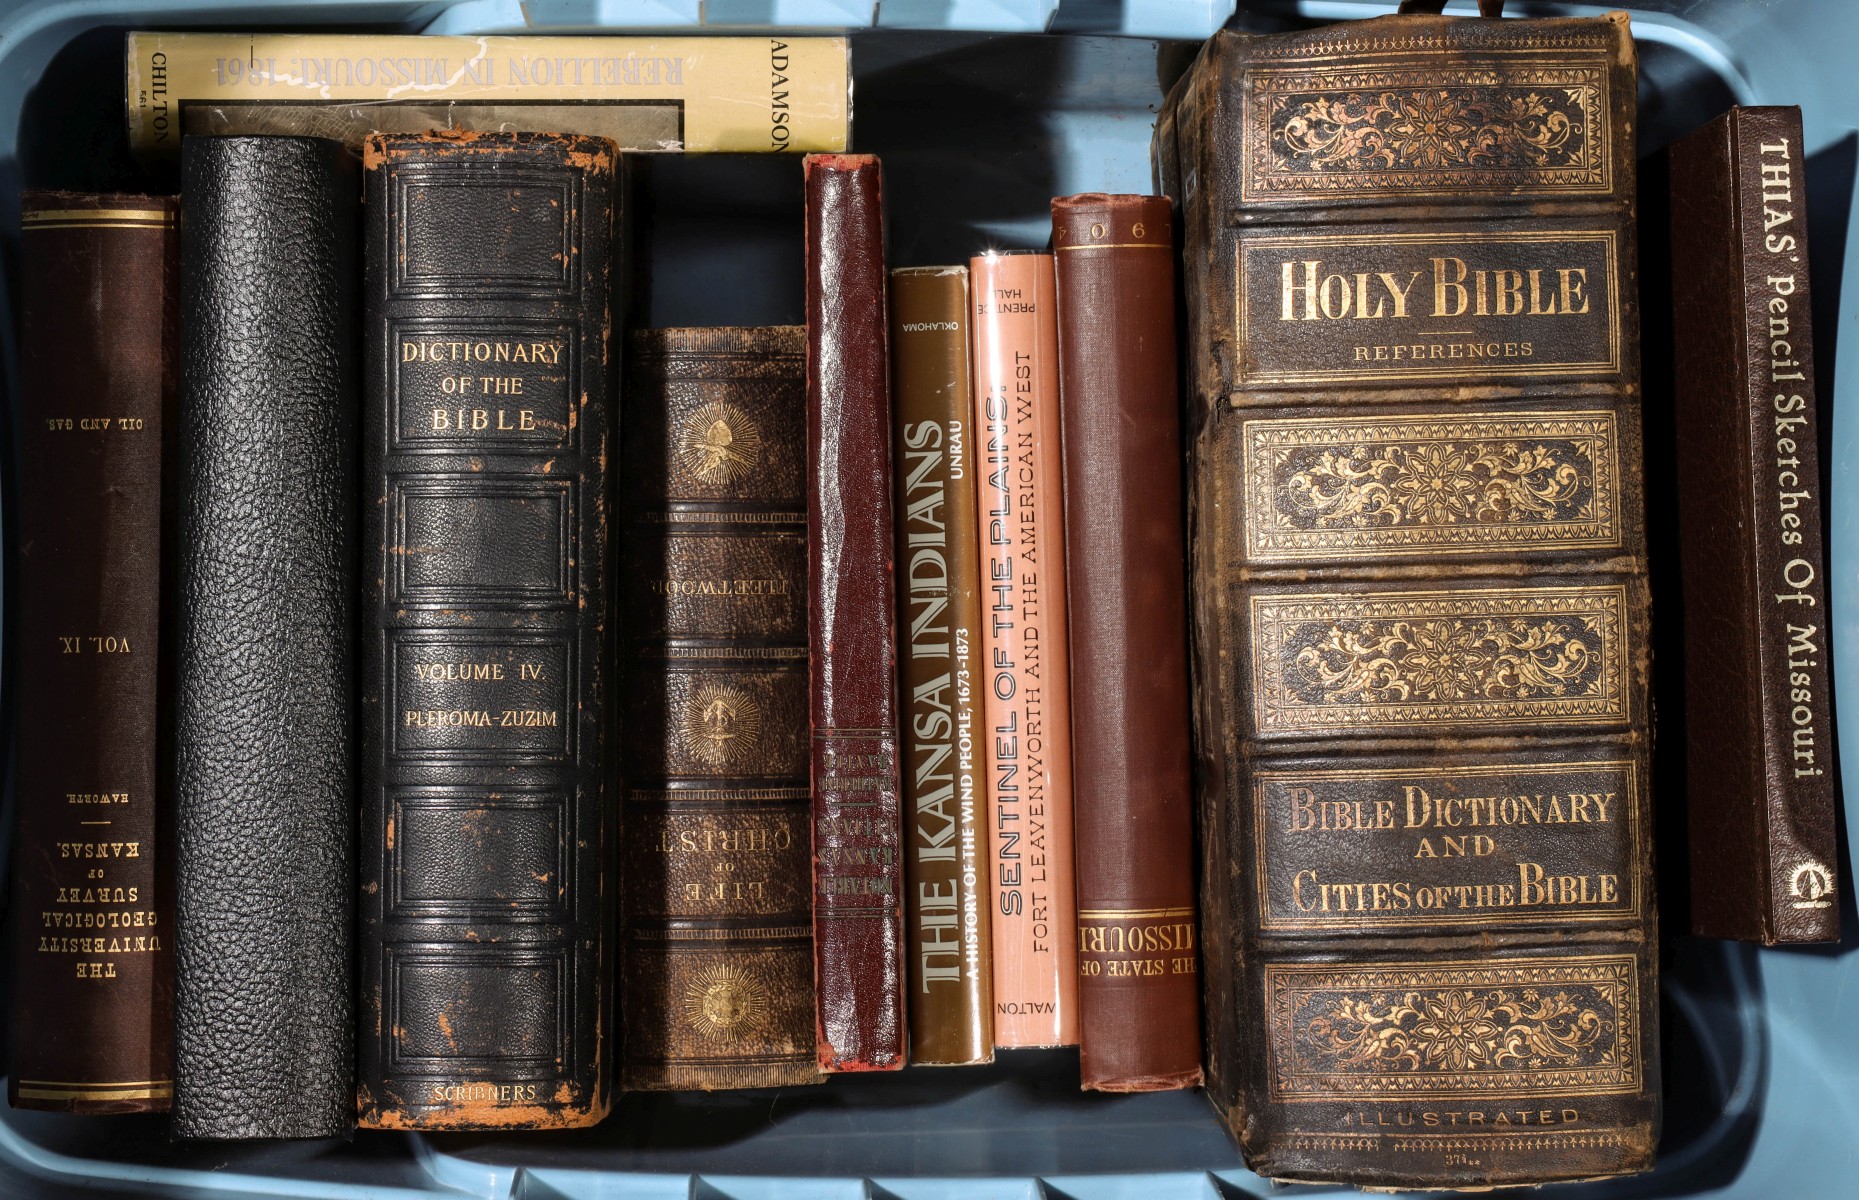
[{"x": 775, "y": 94}]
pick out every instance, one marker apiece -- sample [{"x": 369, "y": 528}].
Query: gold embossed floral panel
[
  {"x": 1490, "y": 1029},
  {"x": 1533, "y": 125},
  {"x": 1428, "y": 305},
  {"x": 1472, "y": 484},
  {"x": 1480, "y": 659}
]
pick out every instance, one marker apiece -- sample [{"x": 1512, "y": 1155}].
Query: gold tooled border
[
  {"x": 1618, "y": 970},
  {"x": 1613, "y": 707},
  {"x": 96, "y": 218},
  {"x": 1260, "y": 495},
  {"x": 1320, "y": 72},
  {"x": 65, "y": 1089}
]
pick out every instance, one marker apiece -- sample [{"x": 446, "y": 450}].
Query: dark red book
[{"x": 858, "y": 915}]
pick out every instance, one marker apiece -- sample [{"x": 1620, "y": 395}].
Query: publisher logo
[{"x": 1811, "y": 885}]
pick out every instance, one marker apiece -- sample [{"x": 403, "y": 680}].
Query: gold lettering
[{"x": 1454, "y": 286}]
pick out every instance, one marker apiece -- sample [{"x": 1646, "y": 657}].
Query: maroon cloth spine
[
  {"x": 1139, "y": 1015},
  {"x": 858, "y": 916}
]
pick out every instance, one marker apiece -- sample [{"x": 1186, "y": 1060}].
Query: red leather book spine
[
  {"x": 858, "y": 916},
  {"x": 1139, "y": 1012}
]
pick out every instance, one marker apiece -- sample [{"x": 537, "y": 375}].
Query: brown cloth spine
[
  {"x": 93, "y": 974},
  {"x": 858, "y": 912},
  {"x": 1139, "y": 1011},
  {"x": 1758, "y": 704},
  {"x": 716, "y": 955},
  {"x": 939, "y": 652}
]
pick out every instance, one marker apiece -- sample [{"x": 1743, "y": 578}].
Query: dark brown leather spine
[
  {"x": 1420, "y": 600},
  {"x": 487, "y": 840},
  {"x": 939, "y": 652},
  {"x": 1759, "y": 718},
  {"x": 858, "y": 911},
  {"x": 716, "y": 957},
  {"x": 1139, "y": 1010},
  {"x": 92, "y": 967}
]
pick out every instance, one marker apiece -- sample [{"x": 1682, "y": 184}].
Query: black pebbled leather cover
[
  {"x": 264, "y": 756},
  {"x": 487, "y": 898}
]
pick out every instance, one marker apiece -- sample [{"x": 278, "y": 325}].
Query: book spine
[
  {"x": 487, "y": 915},
  {"x": 939, "y": 601},
  {"x": 264, "y": 650},
  {"x": 92, "y": 962},
  {"x": 1026, "y": 689},
  {"x": 858, "y": 912},
  {"x": 1139, "y": 1016},
  {"x": 1764, "y": 860},
  {"x": 1421, "y": 602},
  {"x": 716, "y": 963},
  {"x": 654, "y": 94}
]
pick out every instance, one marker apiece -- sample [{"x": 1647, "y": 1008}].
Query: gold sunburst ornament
[
  {"x": 725, "y": 1002},
  {"x": 719, "y": 444},
  {"x": 721, "y": 724}
]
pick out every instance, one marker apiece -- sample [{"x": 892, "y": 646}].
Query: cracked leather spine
[
  {"x": 264, "y": 765},
  {"x": 858, "y": 868},
  {"x": 717, "y": 921},
  {"x": 91, "y": 1022},
  {"x": 487, "y": 903},
  {"x": 1759, "y": 783},
  {"x": 1419, "y": 599}
]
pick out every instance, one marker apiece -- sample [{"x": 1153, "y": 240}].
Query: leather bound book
[
  {"x": 939, "y": 653},
  {"x": 92, "y": 967},
  {"x": 264, "y": 1033},
  {"x": 858, "y": 869},
  {"x": 1026, "y": 681},
  {"x": 487, "y": 900},
  {"x": 716, "y": 953},
  {"x": 1764, "y": 861},
  {"x": 1419, "y": 599},
  {"x": 1139, "y": 1007}
]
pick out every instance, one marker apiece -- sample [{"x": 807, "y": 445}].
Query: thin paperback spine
[{"x": 1026, "y": 714}]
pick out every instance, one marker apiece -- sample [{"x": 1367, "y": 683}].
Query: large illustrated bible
[{"x": 1419, "y": 598}]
